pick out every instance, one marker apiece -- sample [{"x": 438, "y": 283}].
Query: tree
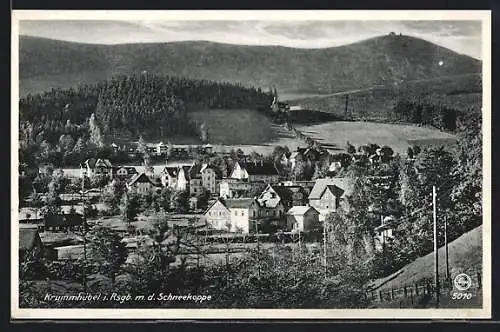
[
  {"x": 113, "y": 193},
  {"x": 203, "y": 132},
  {"x": 130, "y": 205},
  {"x": 181, "y": 201},
  {"x": 106, "y": 252},
  {"x": 80, "y": 147},
  {"x": 96, "y": 137},
  {"x": 66, "y": 143},
  {"x": 203, "y": 199}
]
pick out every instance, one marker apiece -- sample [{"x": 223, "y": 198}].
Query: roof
[
  {"x": 141, "y": 178},
  {"x": 262, "y": 168},
  {"x": 321, "y": 184},
  {"x": 215, "y": 202},
  {"x": 238, "y": 203},
  {"x": 338, "y": 192},
  {"x": 172, "y": 171},
  {"x": 93, "y": 162},
  {"x": 28, "y": 238},
  {"x": 301, "y": 210},
  {"x": 194, "y": 171}
]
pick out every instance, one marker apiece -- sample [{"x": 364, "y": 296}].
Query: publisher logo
[{"x": 462, "y": 282}]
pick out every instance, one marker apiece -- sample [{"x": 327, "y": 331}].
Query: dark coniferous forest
[{"x": 131, "y": 105}]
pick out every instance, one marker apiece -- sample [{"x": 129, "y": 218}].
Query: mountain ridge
[{"x": 49, "y": 63}]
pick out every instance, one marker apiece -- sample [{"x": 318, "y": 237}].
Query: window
[
  {"x": 242, "y": 213},
  {"x": 253, "y": 213},
  {"x": 235, "y": 213}
]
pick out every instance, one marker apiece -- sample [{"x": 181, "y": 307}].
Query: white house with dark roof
[
  {"x": 124, "y": 172},
  {"x": 93, "y": 167},
  {"x": 255, "y": 172},
  {"x": 234, "y": 215},
  {"x": 141, "y": 184}
]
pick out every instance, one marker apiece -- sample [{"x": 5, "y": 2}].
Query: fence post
[
  {"x": 405, "y": 292},
  {"x": 392, "y": 293},
  {"x": 416, "y": 289},
  {"x": 380, "y": 296},
  {"x": 479, "y": 281}
]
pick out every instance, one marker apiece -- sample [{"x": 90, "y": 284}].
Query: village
[{"x": 254, "y": 201}]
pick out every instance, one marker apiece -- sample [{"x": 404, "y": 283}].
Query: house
[
  {"x": 176, "y": 177},
  {"x": 233, "y": 188},
  {"x": 161, "y": 149},
  {"x": 141, "y": 184},
  {"x": 169, "y": 177},
  {"x": 209, "y": 177},
  {"x": 255, "y": 172},
  {"x": 384, "y": 233},
  {"x": 306, "y": 187},
  {"x": 124, "y": 172},
  {"x": 94, "y": 167},
  {"x": 239, "y": 172},
  {"x": 60, "y": 222},
  {"x": 233, "y": 215},
  {"x": 195, "y": 180},
  {"x": 208, "y": 148},
  {"x": 29, "y": 240},
  {"x": 288, "y": 195},
  {"x": 71, "y": 252},
  {"x": 302, "y": 218},
  {"x": 115, "y": 148},
  {"x": 328, "y": 194}
]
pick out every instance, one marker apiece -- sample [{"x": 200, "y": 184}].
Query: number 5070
[{"x": 461, "y": 296}]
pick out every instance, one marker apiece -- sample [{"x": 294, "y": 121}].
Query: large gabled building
[
  {"x": 141, "y": 184},
  {"x": 233, "y": 215},
  {"x": 255, "y": 172}
]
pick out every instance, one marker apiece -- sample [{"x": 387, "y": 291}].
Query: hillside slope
[
  {"x": 48, "y": 63},
  {"x": 465, "y": 256}
]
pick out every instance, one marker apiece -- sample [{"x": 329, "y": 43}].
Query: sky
[{"x": 460, "y": 36}]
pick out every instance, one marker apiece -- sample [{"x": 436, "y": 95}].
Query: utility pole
[
  {"x": 258, "y": 247},
  {"x": 436, "y": 251},
  {"x": 84, "y": 237},
  {"x": 447, "y": 262},
  {"x": 346, "y": 104},
  {"x": 324, "y": 248}
]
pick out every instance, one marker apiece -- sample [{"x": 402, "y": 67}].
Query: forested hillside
[
  {"x": 62, "y": 120},
  {"x": 382, "y": 60}
]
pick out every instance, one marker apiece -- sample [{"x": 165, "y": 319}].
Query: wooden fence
[{"x": 419, "y": 289}]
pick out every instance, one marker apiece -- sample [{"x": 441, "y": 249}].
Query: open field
[
  {"x": 334, "y": 135},
  {"x": 459, "y": 91},
  {"x": 238, "y": 126}
]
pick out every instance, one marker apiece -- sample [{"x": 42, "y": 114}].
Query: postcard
[{"x": 251, "y": 164}]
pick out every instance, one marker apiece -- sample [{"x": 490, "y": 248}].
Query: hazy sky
[{"x": 460, "y": 36}]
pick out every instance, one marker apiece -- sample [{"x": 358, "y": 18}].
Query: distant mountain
[{"x": 46, "y": 63}]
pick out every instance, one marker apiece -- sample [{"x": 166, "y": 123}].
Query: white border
[{"x": 485, "y": 312}]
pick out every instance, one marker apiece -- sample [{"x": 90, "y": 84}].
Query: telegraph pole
[
  {"x": 84, "y": 236},
  {"x": 436, "y": 252},
  {"x": 324, "y": 248},
  {"x": 346, "y": 104},
  {"x": 447, "y": 262}
]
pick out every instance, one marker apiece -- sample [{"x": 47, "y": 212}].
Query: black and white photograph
[{"x": 251, "y": 164}]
